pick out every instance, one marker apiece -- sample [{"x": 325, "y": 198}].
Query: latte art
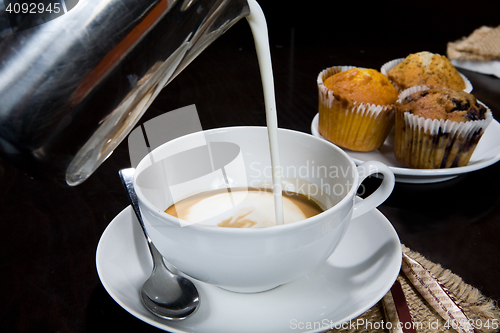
[{"x": 255, "y": 208}]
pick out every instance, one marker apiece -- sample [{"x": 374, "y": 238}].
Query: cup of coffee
[{"x": 208, "y": 205}]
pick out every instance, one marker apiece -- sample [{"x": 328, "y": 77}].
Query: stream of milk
[{"x": 258, "y": 25}]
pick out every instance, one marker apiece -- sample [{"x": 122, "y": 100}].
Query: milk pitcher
[{"x": 72, "y": 88}]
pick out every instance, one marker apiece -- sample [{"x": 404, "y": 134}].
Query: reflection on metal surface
[{"x": 71, "y": 89}]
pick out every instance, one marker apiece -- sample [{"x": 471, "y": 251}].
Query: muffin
[
  {"x": 356, "y": 107},
  {"x": 424, "y": 68},
  {"x": 438, "y": 127}
]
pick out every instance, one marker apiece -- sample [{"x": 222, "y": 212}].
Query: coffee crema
[{"x": 243, "y": 208}]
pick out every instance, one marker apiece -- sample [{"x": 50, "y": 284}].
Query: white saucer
[
  {"x": 486, "y": 153},
  {"x": 355, "y": 277}
]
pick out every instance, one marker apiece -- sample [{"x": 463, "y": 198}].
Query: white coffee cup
[{"x": 253, "y": 259}]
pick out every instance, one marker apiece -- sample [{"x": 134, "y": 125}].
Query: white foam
[{"x": 257, "y": 206}]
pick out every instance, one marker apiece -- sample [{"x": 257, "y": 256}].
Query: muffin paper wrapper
[
  {"x": 444, "y": 142},
  {"x": 390, "y": 64},
  {"x": 352, "y": 125}
]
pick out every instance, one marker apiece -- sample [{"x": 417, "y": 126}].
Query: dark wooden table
[{"x": 49, "y": 233}]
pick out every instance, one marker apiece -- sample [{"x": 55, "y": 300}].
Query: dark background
[{"x": 50, "y": 233}]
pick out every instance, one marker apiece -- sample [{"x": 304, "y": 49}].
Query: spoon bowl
[{"x": 165, "y": 294}]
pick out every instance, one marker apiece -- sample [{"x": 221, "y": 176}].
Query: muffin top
[
  {"x": 442, "y": 103},
  {"x": 363, "y": 85},
  {"x": 425, "y": 68}
]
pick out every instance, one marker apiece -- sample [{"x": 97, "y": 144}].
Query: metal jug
[{"x": 72, "y": 89}]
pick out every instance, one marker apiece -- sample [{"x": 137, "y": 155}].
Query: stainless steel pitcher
[{"x": 72, "y": 89}]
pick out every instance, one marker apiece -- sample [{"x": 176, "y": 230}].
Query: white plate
[
  {"x": 487, "y": 152},
  {"x": 354, "y": 278}
]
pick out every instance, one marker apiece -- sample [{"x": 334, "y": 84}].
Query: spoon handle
[{"x": 127, "y": 178}]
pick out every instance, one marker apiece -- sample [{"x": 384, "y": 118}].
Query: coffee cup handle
[{"x": 381, "y": 194}]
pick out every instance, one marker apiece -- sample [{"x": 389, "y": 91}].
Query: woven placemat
[{"x": 482, "y": 311}]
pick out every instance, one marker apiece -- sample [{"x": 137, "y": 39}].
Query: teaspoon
[{"x": 165, "y": 294}]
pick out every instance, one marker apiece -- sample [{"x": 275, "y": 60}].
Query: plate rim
[{"x": 447, "y": 172}]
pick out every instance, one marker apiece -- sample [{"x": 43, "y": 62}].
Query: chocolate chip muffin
[
  {"x": 443, "y": 103},
  {"x": 437, "y": 127}
]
